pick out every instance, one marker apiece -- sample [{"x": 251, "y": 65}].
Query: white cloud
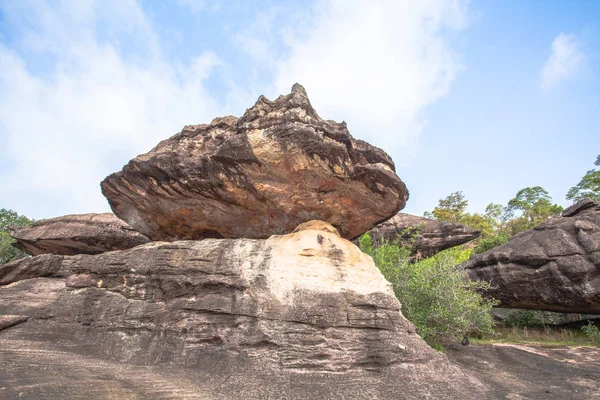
[
  {"x": 566, "y": 61},
  {"x": 85, "y": 86},
  {"x": 64, "y": 128},
  {"x": 377, "y": 65}
]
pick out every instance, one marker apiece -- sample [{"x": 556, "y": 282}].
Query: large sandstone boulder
[
  {"x": 77, "y": 234},
  {"x": 553, "y": 267},
  {"x": 301, "y": 316},
  {"x": 277, "y": 166},
  {"x": 425, "y": 236}
]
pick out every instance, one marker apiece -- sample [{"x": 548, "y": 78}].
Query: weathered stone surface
[
  {"x": 301, "y": 316},
  {"x": 77, "y": 234},
  {"x": 426, "y": 236},
  {"x": 6, "y": 321},
  {"x": 277, "y": 166},
  {"x": 553, "y": 267},
  {"x": 32, "y": 267}
]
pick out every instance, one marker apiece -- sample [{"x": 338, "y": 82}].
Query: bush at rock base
[
  {"x": 591, "y": 331},
  {"x": 443, "y": 306}
]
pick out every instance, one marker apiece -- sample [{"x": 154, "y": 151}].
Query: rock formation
[
  {"x": 553, "y": 267},
  {"x": 77, "y": 234},
  {"x": 277, "y": 166},
  {"x": 426, "y": 236},
  {"x": 305, "y": 315}
]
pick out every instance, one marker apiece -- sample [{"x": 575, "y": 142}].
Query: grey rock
[
  {"x": 6, "y": 321},
  {"x": 301, "y": 316},
  {"x": 425, "y": 236},
  {"x": 32, "y": 267},
  {"x": 77, "y": 234},
  {"x": 553, "y": 267},
  {"x": 277, "y": 166}
]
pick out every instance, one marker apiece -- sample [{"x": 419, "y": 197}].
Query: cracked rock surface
[
  {"x": 262, "y": 174},
  {"x": 77, "y": 234},
  {"x": 304, "y": 315},
  {"x": 553, "y": 267}
]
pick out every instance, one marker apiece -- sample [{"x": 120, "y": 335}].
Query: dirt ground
[{"x": 516, "y": 371}]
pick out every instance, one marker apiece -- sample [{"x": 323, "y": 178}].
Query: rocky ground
[
  {"x": 36, "y": 370},
  {"x": 515, "y": 371},
  {"x": 511, "y": 371}
]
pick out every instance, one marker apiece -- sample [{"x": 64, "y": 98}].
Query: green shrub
[
  {"x": 534, "y": 318},
  {"x": 10, "y": 218},
  {"x": 434, "y": 296},
  {"x": 591, "y": 331},
  {"x": 522, "y": 318},
  {"x": 488, "y": 243}
]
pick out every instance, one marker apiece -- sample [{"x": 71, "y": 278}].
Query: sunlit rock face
[
  {"x": 277, "y": 166},
  {"x": 305, "y": 315},
  {"x": 553, "y": 267}
]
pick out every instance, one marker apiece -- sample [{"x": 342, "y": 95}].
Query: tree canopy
[
  {"x": 452, "y": 208},
  {"x": 530, "y": 207},
  {"x": 588, "y": 187},
  {"x": 534, "y": 205}
]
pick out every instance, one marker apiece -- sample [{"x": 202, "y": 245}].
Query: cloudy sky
[{"x": 487, "y": 97}]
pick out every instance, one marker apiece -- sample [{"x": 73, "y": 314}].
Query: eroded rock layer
[
  {"x": 77, "y": 234},
  {"x": 425, "y": 236},
  {"x": 553, "y": 267},
  {"x": 277, "y": 166},
  {"x": 304, "y": 315}
]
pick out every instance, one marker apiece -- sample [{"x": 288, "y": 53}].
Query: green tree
[
  {"x": 452, "y": 208},
  {"x": 497, "y": 233},
  {"x": 434, "y": 296},
  {"x": 9, "y": 218},
  {"x": 491, "y": 224},
  {"x": 533, "y": 205},
  {"x": 588, "y": 187},
  {"x": 495, "y": 213}
]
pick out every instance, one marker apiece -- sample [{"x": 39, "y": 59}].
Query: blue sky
[{"x": 487, "y": 97}]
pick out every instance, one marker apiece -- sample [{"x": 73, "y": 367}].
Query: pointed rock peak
[
  {"x": 317, "y": 225},
  {"x": 296, "y": 99},
  {"x": 298, "y": 90},
  {"x": 299, "y": 98}
]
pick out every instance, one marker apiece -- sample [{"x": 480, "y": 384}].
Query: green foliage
[
  {"x": 588, "y": 187},
  {"x": 10, "y": 218},
  {"x": 366, "y": 244},
  {"x": 534, "y": 205},
  {"x": 452, "y": 208},
  {"x": 591, "y": 331},
  {"x": 434, "y": 296},
  {"x": 498, "y": 224},
  {"x": 489, "y": 242},
  {"x": 523, "y": 318},
  {"x": 542, "y": 336},
  {"x": 536, "y": 319}
]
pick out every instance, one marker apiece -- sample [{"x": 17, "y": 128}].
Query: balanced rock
[
  {"x": 305, "y": 315},
  {"x": 553, "y": 267},
  {"x": 277, "y": 166},
  {"x": 77, "y": 234},
  {"x": 425, "y": 236}
]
